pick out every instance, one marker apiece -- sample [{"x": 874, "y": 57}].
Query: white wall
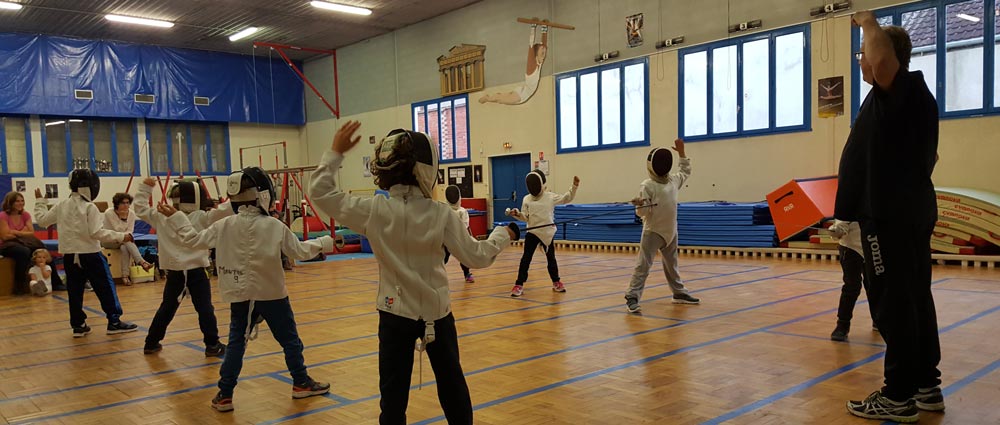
[{"x": 240, "y": 136}]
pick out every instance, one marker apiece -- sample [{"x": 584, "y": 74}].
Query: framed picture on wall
[
  {"x": 477, "y": 173},
  {"x": 19, "y": 185},
  {"x": 440, "y": 176},
  {"x": 51, "y": 191}
]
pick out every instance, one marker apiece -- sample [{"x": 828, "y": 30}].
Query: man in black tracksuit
[{"x": 885, "y": 185}]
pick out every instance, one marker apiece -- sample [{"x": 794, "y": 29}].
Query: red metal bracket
[{"x": 280, "y": 48}]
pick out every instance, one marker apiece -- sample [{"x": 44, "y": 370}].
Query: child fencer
[
  {"x": 657, "y": 205},
  {"x": 852, "y": 263},
  {"x": 185, "y": 267},
  {"x": 81, "y": 231},
  {"x": 537, "y": 209},
  {"x": 454, "y": 196},
  {"x": 407, "y": 231},
  {"x": 248, "y": 249}
]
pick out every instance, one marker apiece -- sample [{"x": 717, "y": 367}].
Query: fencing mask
[
  {"x": 454, "y": 195},
  {"x": 85, "y": 182},
  {"x": 251, "y": 186},
  {"x": 535, "y": 180},
  {"x": 404, "y": 148},
  {"x": 189, "y": 196},
  {"x": 659, "y": 163}
]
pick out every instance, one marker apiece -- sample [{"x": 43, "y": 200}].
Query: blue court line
[
  {"x": 95, "y": 311},
  {"x": 299, "y": 324},
  {"x": 976, "y": 280},
  {"x": 638, "y": 362},
  {"x": 972, "y": 377},
  {"x": 812, "y": 382},
  {"x": 870, "y": 344},
  {"x": 640, "y": 314},
  {"x": 748, "y": 270},
  {"x": 328, "y": 362},
  {"x": 521, "y": 299},
  {"x": 969, "y": 291},
  {"x": 587, "y": 345}
]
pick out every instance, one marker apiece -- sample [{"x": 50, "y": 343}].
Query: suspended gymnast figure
[{"x": 536, "y": 57}]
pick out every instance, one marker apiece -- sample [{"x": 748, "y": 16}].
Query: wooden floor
[{"x": 756, "y": 351}]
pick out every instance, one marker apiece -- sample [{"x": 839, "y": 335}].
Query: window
[
  {"x": 15, "y": 146},
  {"x": 603, "y": 107},
  {"x": 949, "y": 47},
  {"x": 446, "y": 120},
  {"x": 188, "y": 148},
  {"x": 757, "y": 84},
  {"x": 107, "y": 146}
]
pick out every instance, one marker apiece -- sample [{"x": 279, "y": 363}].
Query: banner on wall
[
  {"x": 633, "y": 30},
  {"x": 831, "y": 97}
]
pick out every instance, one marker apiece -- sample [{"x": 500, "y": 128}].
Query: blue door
[{"x": 508, "y": 183}]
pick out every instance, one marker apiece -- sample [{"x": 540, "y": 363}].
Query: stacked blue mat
[
  {"x": 725, "y": 224},
  {"x": 619, "y": 225}
]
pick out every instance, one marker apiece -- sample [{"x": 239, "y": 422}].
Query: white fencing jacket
[
  {"x": 541, "y": 209},
  {"x": 81, "y": 224},
  {"x": 248, "y": 249},
  {"x": 174, "y": 255},
  {"x": 407, "y": 232},
  {"x": 662, "y": 219}
]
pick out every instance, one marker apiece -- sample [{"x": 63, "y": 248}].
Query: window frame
[
  {"x": 598, "y": 70},
  {"x": 4, "y": 166},
  {"x": 169, "y": 126},
  {"x": 940, "y": 90},
  {"x": 90, "y": 145},
  {"x": 772, "y": 36},
  {"x": 454, "y": 141}
]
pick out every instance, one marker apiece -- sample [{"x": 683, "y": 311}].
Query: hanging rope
[
  {"x": 270, "y": 66},
  {"x": 256, "y": 96}
]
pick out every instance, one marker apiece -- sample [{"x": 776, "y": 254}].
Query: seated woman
[
  {"x": 121, "y": 218},
  {"x": 15, "y": 222}
]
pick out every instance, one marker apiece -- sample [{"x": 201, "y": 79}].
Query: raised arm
[
  {"x": 352, "y": 211},
  {"x": 683, "y": 165},
  {"x": 877, "y": 49},
  {"x": 96, "y": 229},
  {"x": 190, "y": 238},
  {"x": 569, "y": 195},
  {"x": 43, "y": 214}
]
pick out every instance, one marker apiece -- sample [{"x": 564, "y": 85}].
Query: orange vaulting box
[{"x": 802, "y": 203}]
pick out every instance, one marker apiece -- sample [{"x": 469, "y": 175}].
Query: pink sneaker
[
  {"x": 517, "y": 291},
  {"x": 558, "y": 287},
  {"x": 470, "y": 279}
]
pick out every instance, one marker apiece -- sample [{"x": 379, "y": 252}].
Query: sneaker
[
  {"x": 217, "y": 350},
  {"x": 632, "y": 305},
  {"x": 310, "y": 389},
  {"x": 152, "y": 349},
  {"x": 222, "y": 403},
  {"x": 470, "y": 279},
  {"x": 558, "y": 286},
  {"x": 929, "y": 399},
  {"x": 121, "y": 327},
  {"x": 880, "y": 407},
  {"x": 685, "y": 299},
  {"x": 81, "y": 332},
  {"x": 840, "y": 332},
  {"x": 87, "y": 286},
  {"x": 517, "y": 291}
]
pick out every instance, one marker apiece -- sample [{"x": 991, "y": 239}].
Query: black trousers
[
  {"x": 465, "y": 270},
  {"x": 853, "y": 266},
  {"x": 200, "y": 291},
  {"x": 531, "y": 242},
  {"x": 92, "y": 267},
  {"x": 898, "y": 266},
  {"x": 396, "y": 338}
]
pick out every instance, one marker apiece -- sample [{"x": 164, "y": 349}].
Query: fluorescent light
[
  {"x": 75, "y": 120},
  {"x": 341, "y": 8},
  {"x": 140, "y": 21},
  {"x": 243, "y": 34},
  {"x": 967, "y": 17},
  {"x": 55, "y": 123},
  {"x": 10, "y": 6}
]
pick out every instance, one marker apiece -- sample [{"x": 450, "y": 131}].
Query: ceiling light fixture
[
  {"x": 75, "y": 120},
  {"x": 243, "y": 34},
  {"x": 55, "y": 123},
  {"x": 336, "y": 7},
  {"x": 967, "y": 17},
  {"x": 10, "y": 5},
  {"x": 140, "y": 21}
]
